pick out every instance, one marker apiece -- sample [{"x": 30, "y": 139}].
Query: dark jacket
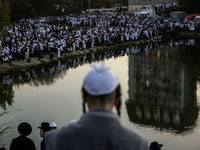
[
  {"x": 22, "y": 143},
  {"x": 98, "y": 129}
]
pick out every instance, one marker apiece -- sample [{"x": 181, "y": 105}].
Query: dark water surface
[{"x": 160, "y": 86}]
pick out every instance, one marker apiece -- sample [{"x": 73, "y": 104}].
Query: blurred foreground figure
[{"x": 99, "y": 128}]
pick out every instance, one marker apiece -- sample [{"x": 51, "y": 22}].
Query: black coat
[
  {"x": 42, "y": 146},
  {"x": 22, "y": 143}
]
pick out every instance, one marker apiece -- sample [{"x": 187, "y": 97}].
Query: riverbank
[{"x": 21, "y": 64}]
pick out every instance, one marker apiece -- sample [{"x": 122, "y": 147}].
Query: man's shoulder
[
  {"x": 134, "y": 139},
  {"x": 22, "y": 139},
  {"x": 60, "y": 137},
  {"x": 132, "y": 136}
]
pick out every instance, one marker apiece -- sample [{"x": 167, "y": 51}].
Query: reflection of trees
[
  {"x": 42, "y": 75},
  {"x": 162, "y": 91},
  {"x": 6, "y": 95},
  {"x": 162, "y": 118},
  {"x": 189, "y": 56},
  {"x": 46, "y": 77}
]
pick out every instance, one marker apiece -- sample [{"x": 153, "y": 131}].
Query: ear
[
  {"x": 117, "y": 100},
  {"x": 84, "y": 98},
  {"x": 118, "y": 106}
]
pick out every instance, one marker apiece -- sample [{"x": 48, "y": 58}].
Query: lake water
[{"x": 160, "y": 87}]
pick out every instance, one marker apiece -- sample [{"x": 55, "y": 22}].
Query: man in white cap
[{"x": 99, "y": 128}]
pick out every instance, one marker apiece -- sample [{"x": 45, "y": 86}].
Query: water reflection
[
  {"x": 162, "y": 87},
  {"x": 161, "y": 84},
  {"x": 6, "y": 95},
  {"x": 44, "y": 74}
]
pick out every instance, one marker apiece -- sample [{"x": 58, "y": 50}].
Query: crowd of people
[
  {"x": 62, "y": 34},
  {"x": 22, "y": 142}
]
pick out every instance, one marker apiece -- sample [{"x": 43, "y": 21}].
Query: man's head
[
  {"x": 101, "y": 89},
  {"x": 24, "y": 129},
  {"x": 155, "y": 146},
  {"x": 45, "y": 127}
]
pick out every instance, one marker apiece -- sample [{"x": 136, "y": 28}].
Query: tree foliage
[
  {"x": 44, "y": 7},
  {"x": 69, "y": 6},
  {"x": 4, "y": 17},
  {"x": 102, "y": 3},
  {"x": 58, "y": 7},
  {"x": 22, "y": 9},
  {"x": 190, "y": 6}
]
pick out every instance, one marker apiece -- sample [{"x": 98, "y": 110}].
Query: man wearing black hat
[
  {"x": 155, "y": 146},
  {"x": 45, "y": 127},
  {"x": 99, "y": 128},
  {"x": 22, "y": 142}
]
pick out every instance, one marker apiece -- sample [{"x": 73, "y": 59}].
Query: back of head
[
  {"x": 101, "y": 86},
  {"x": 100, "y": 81},
  {"x": 24, "y": 128},
  {"x": 155, "y": 146}
]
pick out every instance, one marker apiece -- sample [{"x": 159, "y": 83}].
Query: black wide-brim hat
[
  {"x": 24, "y": 128},
  {"x": 44, "y": 125},
  {"x": 155, "y": 146}
]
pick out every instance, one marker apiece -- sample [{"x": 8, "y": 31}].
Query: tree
[
  {"x": 22, "y": 9},
  {"x": 69, "y": 6},
  {"x": 102, "y": 3},
  {"x": 190, "y": 6},
  {"x": 44, "y": 7},
  {"x": 4, "y": 17}
]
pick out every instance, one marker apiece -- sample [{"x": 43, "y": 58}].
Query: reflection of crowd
[
  {"x": 26, "y": 76},
  {"x": 40, "y": 36}
]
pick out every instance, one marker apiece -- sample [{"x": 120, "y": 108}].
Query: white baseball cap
[{"x": 101, "y": 80}]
